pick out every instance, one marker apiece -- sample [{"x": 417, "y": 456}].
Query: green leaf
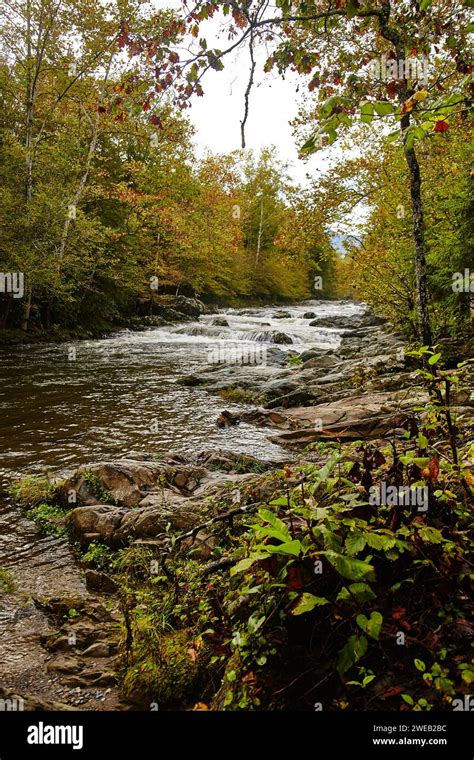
[
  {"x": 330, "y": 104},
  {"x": 406, "y": 698},
  {"x": 420, "y": 665},
  {"x": 308, "y": 602},
  {"x": 422, "y": 441},
  {"x": 350, "y": 568},
  {"x": 308, "y": 147},
  {"x": 244, "y": 564},
  {"x": 352, "y": 652},
  {"x": 367, "y": 112},
  {"x": 430, "y": 535},
  {"x": 371, "y": 626},
  {"x": 383, "y": 108},
  {"x": 355, "y": 542},
  {"x": 433, "y": 359},
  {"x": 361, "y": 591},
  {"x": 425, "y": 4},
  {"x": 352, "y": 8},
  {"x": 380, "y": 542},
  {"x": 293, "y": 548},
  {"x": 261, "y": 532}
]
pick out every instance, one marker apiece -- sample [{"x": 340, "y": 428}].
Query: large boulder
[
  {"x": 97, "y": 522},
  {"x": 281, "y": 338},
  {"x": 355, "y": 418},
  {"x": 192, "y": 307},
  {"x": 349, "y": 322},
  {"x": 122, "y": 482},
  {"x": 126, "y": 482}
]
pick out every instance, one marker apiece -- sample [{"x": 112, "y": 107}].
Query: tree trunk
[
  {"x": 85, "y": 175},
  {"x": 6, "y": 310},
  {"x": 26, "y": 310},
  {"x": 260, "y": 228},
  {"x": 424, "y": 326}
]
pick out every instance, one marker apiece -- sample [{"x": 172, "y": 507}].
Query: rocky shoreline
[{"x": 364, "y": 390}]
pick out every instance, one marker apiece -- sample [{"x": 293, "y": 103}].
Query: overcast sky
[{"x": 273, "y": 104}]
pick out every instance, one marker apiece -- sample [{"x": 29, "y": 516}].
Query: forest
[
  {"x": 104, "y": 204},
  {"x": 291, "y": 529}
]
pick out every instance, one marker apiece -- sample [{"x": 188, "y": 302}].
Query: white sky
[{"x": 273, "y": 104}]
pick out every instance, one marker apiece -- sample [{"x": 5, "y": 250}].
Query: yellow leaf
[{"x": 421, "y": 95}]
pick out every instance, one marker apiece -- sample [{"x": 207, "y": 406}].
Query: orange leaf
[{"x": 433, "y": 468}]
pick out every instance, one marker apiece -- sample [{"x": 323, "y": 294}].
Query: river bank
[{"x": 346, "y": 400}]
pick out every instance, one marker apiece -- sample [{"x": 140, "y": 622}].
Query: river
[
  {"x": 62, "y": 406},
  {"x": 123, "y": 393}
]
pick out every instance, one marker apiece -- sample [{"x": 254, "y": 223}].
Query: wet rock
[
  {"x": 295, "y": 398},
  {"x": 98, "y": 581},
  {"x": 309, "y": 315},
  {"x": 63, "y": 664},
  {"x": 220, "y": 322},
  {"x": 281, "y": 315},
  {"x": 280, "y": 387},
  {"x": 100, "y": 649},
  {"x": 321, "y": 362},
  {"x": 266, "y": 418},
  {"x": 150, "y": 320},
  {"x": 281, "y": 338},
  {"x": 101, "y": 519},
  {"x": 275, "y": 356},
  {"x": 123, "y": 482},
  {"x": 312, "y": 353},
  {"x": 172, "y": 316},
  {"x": 354, "y": 418},
  {"x": 151, "y": 521},
  {"x": 354, "y": 321},
  {"x": 227, "y": 419},
  {"x": 231, "y": 461},
  {"x": 192, "y": 307}
]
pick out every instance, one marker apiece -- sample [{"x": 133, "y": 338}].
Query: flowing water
[{"x": 62, "y": 406}]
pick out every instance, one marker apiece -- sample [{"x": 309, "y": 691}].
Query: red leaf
[
  {"x": 393, "y": 692},
  {"x": 391, "y": 89},
  {"x": 294, "y": 578},
  {"x": 398, "y": 613},
  {"x": 433, "y": 468},
  {"x": 441, "y": 126}
]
